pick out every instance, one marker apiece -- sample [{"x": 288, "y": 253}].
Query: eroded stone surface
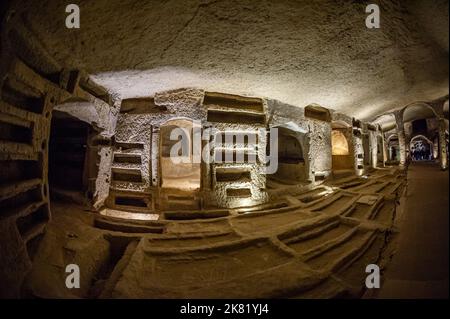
[
  {"x": 256, "y": 48},
  {"x": 286, "y": 252}
]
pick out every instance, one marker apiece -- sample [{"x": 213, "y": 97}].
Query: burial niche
[
  {"x": 185, "y": 175},
  {"x": 291, "y": 162},
  {"x": 342, "y": 158}
]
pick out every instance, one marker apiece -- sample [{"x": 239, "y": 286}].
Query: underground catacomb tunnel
[{"x": 223, "y": 149}]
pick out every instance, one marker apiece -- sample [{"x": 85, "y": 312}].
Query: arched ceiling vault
[
  {"x": 418, "y": 111},
  {"x": 299, "y": 52}
]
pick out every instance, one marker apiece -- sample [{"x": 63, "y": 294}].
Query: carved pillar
[
  {"x": 383, "y": 147},
  {"x": 442, "y": 145},
  {"x": 401, "y": 136},
  {"x": 155, "y": 157}
]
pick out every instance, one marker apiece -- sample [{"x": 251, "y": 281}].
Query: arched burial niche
[
  {"x": 186, "y": 174},
  {"x": 68, "y": 170},
  {"x": 341, "y": 146},
  {"x": 421, "y": 148},
  {"x": 292, "y": 155}
]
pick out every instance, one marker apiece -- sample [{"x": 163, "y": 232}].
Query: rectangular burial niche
[
  {"x": 239, "y": 192},
  {"x": 130, "y": 201},
  {"x": 127, "y": 175},
  {"x": 12, "y": 172},
  {"x": 141, "y": 106},
  {"x": 233, "y": 175},
  {"x": 233, "y": 101},
  {"x": 220, "y": 116},
  {"x": 28, "y": 223},
  {"x": 317, "y": 112},
  {"x": 17, "y": 133},
  {"x": 67, "y": 155},
  {"x": 22, "y": 96}
]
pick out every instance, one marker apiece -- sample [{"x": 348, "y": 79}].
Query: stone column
[
  {"x": 442, "y": 145},
  {"x": 155, "y": 156},
  {"x": 383, "y": 143},
  {"x": 401, "y": 136}
]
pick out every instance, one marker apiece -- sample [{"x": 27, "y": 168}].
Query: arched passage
[
  {"x": 185, "y": 175},
  {"x": 291, "y": 156},
  {"x": 421, "y": 148},
  {"x": 418, "y": 110},
  {"x": 341, "y": 147},
  {"x": 386, "y": 122},
  {"x": 69, "y": 157},
  {"x": 393, "y": 149}
]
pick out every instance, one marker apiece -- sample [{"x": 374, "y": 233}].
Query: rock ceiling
[{"x": 299, "y": 52}]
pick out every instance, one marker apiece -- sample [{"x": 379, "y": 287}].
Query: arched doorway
[
  {"x": 421, "y": 148},
  {"x": 393, "y": 148},
  {"x": 341, "y": 147},
  {"x": 291, "y": 160},
  {"x": 69, "y": 154},
  {"x": 179, "y": 174}
]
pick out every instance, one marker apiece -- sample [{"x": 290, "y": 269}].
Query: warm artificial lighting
[{"x": 339, "y": 143}]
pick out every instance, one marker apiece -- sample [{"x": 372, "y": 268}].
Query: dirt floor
[
  {"x": 305, "y": 243},
  {"x": 419, "y": 269}
]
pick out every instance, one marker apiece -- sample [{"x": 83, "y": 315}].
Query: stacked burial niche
[
  {"x": 28, "y": 99},
  {"x": 146, "y": 180},
  {"x": 240, "y": 124}
]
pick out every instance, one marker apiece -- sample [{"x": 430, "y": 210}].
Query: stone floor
[
  {"x": 419, "y": 269},
  {"x": 306, "y": 243}
]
